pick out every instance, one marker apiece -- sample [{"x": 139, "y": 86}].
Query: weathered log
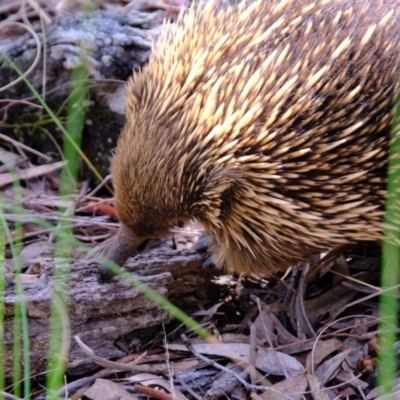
[
  {"x": 102, "y": 315},
  {"x": 111, "y": 44}
]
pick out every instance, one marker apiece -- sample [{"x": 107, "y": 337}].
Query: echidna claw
[{"x": 203, "y": 246}]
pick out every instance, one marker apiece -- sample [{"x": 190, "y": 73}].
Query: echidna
[{"x": 266, "y": 121}]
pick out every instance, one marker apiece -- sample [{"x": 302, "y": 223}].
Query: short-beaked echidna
[{"x": 266, "y": 121}]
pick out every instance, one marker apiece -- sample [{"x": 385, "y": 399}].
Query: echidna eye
[{"x": 180, "y": 224}]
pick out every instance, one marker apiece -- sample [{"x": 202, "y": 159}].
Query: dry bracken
[{"x": 266, "y": 121}]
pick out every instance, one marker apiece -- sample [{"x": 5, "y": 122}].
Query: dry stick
[
  {"x": 37, "y": 58},
  {"x": 8, "y": 177},
  {"x": 24, "y": 147},
  {"x": 15, "y": 17},
  {"x": 157, "y": 394},
  {"x": 189, "y": 389},
  {"x": 9, "y": 7},
  {"x": 9, "y": 396},
  {"x": 18, "y": 101},
  {"x": 74, "y": 386},
  {"x": 131, "y": 367},
  {"x": 43, "y": 20},
  {"x": 253, "y": 353},
  {"x": 41, "y": 13},
  {"x": 222, "y": 368},
  {"x": 38, "y": 12},
  {"x": 54, "y": 141},
  {"x": 170, "y": 371},
  {"x": 34, "y": 218},
  {"x": 100, "y": 186}
]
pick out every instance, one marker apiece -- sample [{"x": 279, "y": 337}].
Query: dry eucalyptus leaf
[
  {"x": 104, "y": 389},
  {"x": 265, "y": 326},
  {"x": 277, "y": 363},
  {"x": 267, "y": 360},
  {"x": 329, "y": 368},
  {"x": 293, "y": 387},
  {"x": 322, "y": 350},
  {"x": 317, "y": 388},
  {"x": 330, "y": 301}
]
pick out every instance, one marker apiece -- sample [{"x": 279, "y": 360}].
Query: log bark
[
  {"x": 110, "y": 44},
  {"x": 106, "y": 317}
]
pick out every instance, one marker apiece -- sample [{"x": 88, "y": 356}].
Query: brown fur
[{"x": 268, "y": 122}]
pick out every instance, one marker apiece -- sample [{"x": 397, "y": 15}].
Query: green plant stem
[{"x": 390, "y": 265}]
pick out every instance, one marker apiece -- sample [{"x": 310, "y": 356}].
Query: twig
[
  {"x": 157, "y": 394},
  {"x": 35, "y": 62},
  {"x": 8, "y": 177},
  {"x": 41, "y": 13},
  {"x": 131, "y": 367},
  {"x": 100, "y": 186},
  {"x": 9, "y": 396},
  {"x": 24, "y": 147},
  {"x": 189, "y": 389},
  {"x": 222, "y": 368}
]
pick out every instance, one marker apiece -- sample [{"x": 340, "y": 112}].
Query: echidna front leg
[{"x": 203, "y": 246}]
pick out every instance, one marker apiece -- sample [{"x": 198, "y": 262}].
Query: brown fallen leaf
[
  {"x": 156, "y": 381},
  {"x": 104, "y": 389}
]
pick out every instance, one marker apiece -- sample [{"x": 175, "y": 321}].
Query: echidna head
[{"x": 157, "y": 186}]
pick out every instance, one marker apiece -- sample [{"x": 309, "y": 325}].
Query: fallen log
[{"x": 106, "y": 317}]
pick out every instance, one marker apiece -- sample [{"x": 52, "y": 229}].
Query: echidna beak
[{"x": 123, "y": 246}]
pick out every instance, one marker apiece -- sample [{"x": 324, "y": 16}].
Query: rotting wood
[{"x": 102, "y": 315}]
